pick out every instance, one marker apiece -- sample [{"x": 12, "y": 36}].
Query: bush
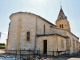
[{"x": 2, "y": 44}]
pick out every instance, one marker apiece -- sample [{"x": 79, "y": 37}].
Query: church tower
[{"x": 62, "y": 21}]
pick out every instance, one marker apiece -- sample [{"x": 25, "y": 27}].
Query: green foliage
[{"x": 2, "y": 44}]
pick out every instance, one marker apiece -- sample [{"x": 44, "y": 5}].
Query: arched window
[
  {"x": 28, "y": 36},
  {"x": 61, "y": 17},
  {"x": 62, "y": 25}
]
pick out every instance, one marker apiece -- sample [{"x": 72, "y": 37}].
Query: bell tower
[{"x": 62, "y": 21}]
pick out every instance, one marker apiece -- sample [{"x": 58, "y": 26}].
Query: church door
[{"x": 44, "y": 46}]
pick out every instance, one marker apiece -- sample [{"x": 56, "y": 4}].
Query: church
[{"x": 30, "y": 31}]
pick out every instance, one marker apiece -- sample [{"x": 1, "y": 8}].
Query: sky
[{"x": 48, "y": 9}]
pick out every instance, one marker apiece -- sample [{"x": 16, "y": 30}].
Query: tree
[{"x": 2, "y": 44}]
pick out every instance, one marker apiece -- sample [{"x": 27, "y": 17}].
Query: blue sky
[{"x": 48, "y": 9}]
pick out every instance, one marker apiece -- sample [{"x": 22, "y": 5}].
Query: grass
[{"x": 2, "y": 47}]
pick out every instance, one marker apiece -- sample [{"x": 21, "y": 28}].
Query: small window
[
  {"x": 62, "y": 25},
  {"x": 73, "y": 44},
  {"x": 28, "y": 36},
  {"x": 44, "y": 29},
  {"x": 61, "y": 17}
]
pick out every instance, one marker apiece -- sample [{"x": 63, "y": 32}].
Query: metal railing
[{"x": 26, "y": 54}]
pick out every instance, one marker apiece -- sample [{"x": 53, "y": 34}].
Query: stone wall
[
  {"x": 21, "y": 23},
  {"x": 40, "y": 27},
  {"x": 12, "y": 39},
  {"x": 19, "y": 26},
  {"x": 64, "y": 22},
  {"x": 53, "y": 43},
  {"x": 72, "y": 39},
  {"x": 58, "y": 31}
]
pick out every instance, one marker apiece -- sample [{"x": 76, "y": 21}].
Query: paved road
[{"x": 66, "y": 59}]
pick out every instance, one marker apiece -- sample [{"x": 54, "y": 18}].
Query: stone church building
[{"x": 30, "y": 31}]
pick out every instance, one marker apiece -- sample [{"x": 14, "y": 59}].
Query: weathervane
[{"x": 60, "y": 5}]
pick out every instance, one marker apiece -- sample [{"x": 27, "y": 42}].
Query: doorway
[{"x": 44, "y": 46}]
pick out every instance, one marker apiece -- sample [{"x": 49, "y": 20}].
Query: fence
[{"x": 33, "y": 54}]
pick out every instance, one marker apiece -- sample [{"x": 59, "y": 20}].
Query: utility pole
[{"x": 0, "y": 34}]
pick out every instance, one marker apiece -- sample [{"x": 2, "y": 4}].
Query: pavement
[
  {"x": 66, "y": 58},
  {"x": 2, "y": 58}
]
